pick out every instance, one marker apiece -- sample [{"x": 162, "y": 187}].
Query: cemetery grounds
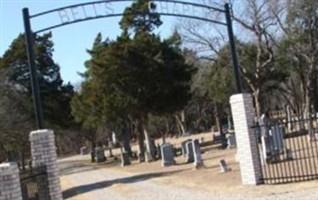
[{"x": 207, "y": 180}]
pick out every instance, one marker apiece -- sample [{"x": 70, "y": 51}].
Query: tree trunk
[
  {"x": 218, "y": 118},
  {"x": 309, "y": 103},
  {"x": 256, "y": 95},
  {"x": 22, "y": 157},
  {"x": 315, "y": 93},
  {"x": 141, "y": 139},
  {"x": 180, "y": 126},
  {"x": 93, "y": 145}
]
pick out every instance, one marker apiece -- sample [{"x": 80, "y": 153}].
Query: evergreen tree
[
  {"x": 137, "y": 75},
  {"x": 55, "y": 96}
]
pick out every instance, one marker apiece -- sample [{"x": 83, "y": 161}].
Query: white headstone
[
  {"x": 114, "y": 139},
  {"x": 197, "y": 153},
  {"x": 184, "y": 148},
  {"x": 266, "y": 149}
]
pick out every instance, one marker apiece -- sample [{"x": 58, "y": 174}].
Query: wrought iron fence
[
  {"x": 288, "y": 150},
  {"x": 34, "y": 184}
]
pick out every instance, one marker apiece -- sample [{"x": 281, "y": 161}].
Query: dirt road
[{"x": 80, "y": 180}]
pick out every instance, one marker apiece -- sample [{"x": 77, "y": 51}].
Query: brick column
[
  {"x": 243, "y": 117},
  {"x": 43, "y": 152},
  {"x": 10, "y": 188}
]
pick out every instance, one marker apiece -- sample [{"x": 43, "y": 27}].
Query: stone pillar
[
  {"x": 247, "y": 147},
  {"x": 43, "y": 152},
  {"x": 10, "y": 188}
]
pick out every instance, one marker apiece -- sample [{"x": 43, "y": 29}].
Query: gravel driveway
[{"x": 81, "y": 181}]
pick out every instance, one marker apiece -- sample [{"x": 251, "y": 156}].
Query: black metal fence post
[
  {"x": 233, "y": 49},
  {"x": 33, "y": 73}
]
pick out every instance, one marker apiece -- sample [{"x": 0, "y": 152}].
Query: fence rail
[
  {"x": 288, "y": 150},
  {"x": 34, "y": 184}
]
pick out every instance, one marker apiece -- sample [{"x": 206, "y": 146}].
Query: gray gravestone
[
  {"x": 223, "y": 166},
  {"x": 167, "y": 154},
  {"x": 99, "y": 154},
  {"x": 277, "y": 134},
  {"x": 231, "y": 141},
  {"x": 183, "y": 147},
  {"x": 267, "y": 147},
  {"x": 125, "y": 159},
  {"x": 197, "y": 153},
  {"x": 84, "y": 150},
  {"x": 288, "y": 154},
  {"x": 190, "y": 154}
]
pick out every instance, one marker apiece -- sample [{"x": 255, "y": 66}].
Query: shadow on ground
[
  {"x": 71, "y": 167},
  {"x": 104, "y": 184},
  {"x": 74, "y": 167}
]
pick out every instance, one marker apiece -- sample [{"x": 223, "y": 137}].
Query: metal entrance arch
[{"x": 66, "y": 20}]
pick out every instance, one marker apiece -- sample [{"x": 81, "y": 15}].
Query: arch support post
[{"x": 33, "y": 73}]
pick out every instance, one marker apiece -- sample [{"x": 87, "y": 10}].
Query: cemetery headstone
[
  {"x": 185, "y": 134},
  {"x": 100, "y": 155},
  {"x": 231, "y": 141},
  {"x": 84, "y": 150},
  {"x": 223, "y": 166},
  {"x": 277, "y": 133},
  {"x": 167, "y": 154},
  {"x": 288, "y": 154},
  {"x": 125, "y": 159},
  {"x": 201, "y": 140},
  {"x": 197, "y": 154},
  {"x": 217, "y": 139},
  {"x": 190, "y": 154},
  {"x": 183, "y": 147},
  {"x": 114, "y": 138}
]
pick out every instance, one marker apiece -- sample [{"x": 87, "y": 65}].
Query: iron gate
[
  {"x": 287, "y": 151},
  {"x": 34, "y": 184}
]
